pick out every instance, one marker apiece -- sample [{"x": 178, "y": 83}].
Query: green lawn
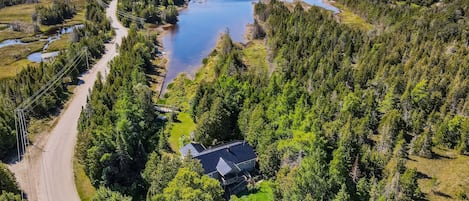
[
  {"x": 444, "y": 177},
  {"x": 264, "y": 193},
  {"x": 179, "y": 129},
  {"x": 85, "y": 190}
]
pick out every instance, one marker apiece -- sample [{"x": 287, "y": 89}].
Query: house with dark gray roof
[
  {"x": 229, "y": 163},
  {"x": 192, "y": 148}
]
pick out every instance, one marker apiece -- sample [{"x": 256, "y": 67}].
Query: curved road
[{"x": 53, "y": 178}]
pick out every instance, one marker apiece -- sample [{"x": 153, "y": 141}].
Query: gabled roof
[
  {"x": 226, "y": 167},
  {"x": 236, "y": 152},
  {"x": 193, "y": 148}
]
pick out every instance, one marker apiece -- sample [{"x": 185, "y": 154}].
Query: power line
[
  {"x": 32, "y": 99},
  {"x": 123, "y": 13},
  {"x": 21, "y": 124}
]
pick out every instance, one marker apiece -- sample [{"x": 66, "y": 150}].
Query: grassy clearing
[
  {"x": 184, "y": 87},
  {"x": 347, "y": 17},
  {"x": 206, "y": 73},
  {"x": 59, "y": 44},
  {"x": 264, "y": 193},
  {"x": 14, "y": 57},
  {"x": 85, "y": 190},
  {"x": 10, "y": 54},
  {"x": 442, "y": 178},
  {"x": 8, "y": 34},
  {"x": 10, "y": 70},
  {"x": 29, "y": 39},
  {"x": 179, "y": 129},
  {"x": 23, "y": 12},
  {"x": 255, "y": 55}
]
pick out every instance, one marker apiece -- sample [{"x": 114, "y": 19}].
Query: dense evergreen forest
[
  {"x": 335, "y": 115},
  {"x": 117, "y": 127},
  {"x": 14, "y": 91},
  {"x": 55, "y": 13},
  {"x": 343, "y": 109},
  {"x": 96, "y": 31},
  {"x": 120, "y": 140},
  {"x": 153, "y": 11},
  {"x": 8, "y": 187}
]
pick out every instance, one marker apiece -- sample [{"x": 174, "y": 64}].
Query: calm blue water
[
  {"x": 199, "y": 27},
  {"x": 321, "y": 3},
  {"x": 35, "y": 57},
  {"x": 39, "y": 56},
  {"x": 10, "y": 42}
]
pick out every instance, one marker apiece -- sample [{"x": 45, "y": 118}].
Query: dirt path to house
[{"x": 48, "y": 174}]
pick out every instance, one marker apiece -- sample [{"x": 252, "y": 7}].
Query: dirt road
[{"x": 52, "y": 170}]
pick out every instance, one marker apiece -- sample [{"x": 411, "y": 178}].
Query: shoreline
[
  {"x": 331, "y": 3},
  {"x": 164, "y": 59},
  {"x": 162, "y": 62}
]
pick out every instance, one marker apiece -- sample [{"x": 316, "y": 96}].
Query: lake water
[{"x": 199, "y": 27}]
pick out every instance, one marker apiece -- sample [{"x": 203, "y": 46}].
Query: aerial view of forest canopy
[{"x": 367, "y": 103}]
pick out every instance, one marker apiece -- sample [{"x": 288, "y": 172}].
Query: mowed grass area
[
  {"x": 444, "y": 178},
  {"x": 264, "y": 193},
  {"x": 14, "y": 57},
  {"x": 347, "y": 17},
  {"x": 178, "y": 129},
  {"x": 85, "y": 190}
]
